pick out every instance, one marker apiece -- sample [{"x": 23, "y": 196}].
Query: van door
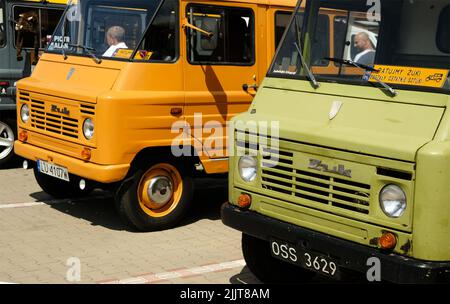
[{"x": 221, "y": 70}]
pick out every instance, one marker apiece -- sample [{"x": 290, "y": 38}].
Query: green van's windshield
[
  {"x": 398, "y": 43},
  {"x": 108, "y": 29}
]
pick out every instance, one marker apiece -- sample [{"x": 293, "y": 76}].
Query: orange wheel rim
[{"x": 159, "y": 190}]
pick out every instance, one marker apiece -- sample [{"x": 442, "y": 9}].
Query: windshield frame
[
  {"x": 64, "y": 52},
  {"x": 332, "y": 78}
]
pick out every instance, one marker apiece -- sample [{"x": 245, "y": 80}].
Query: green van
[{"x": 356, "y": 178}]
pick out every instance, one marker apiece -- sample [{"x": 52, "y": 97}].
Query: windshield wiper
[
  {"x": 89, "y": 50},
  {"x": 297, "y": 44},
  {"x": 365, "y": 68},
  {"x": 311, "y": 76}
]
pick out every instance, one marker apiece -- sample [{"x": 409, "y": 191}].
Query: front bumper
[
  {"x": 349, "y": 255},
  {"x": 100, "y": 173}
]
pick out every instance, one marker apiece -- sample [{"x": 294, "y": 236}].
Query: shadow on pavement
[
  {"x": 99, "y": 209},
  {"x": 244, "y": 277}
]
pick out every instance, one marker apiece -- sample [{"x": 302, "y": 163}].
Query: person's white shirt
[{"x": 111, "y": 50}]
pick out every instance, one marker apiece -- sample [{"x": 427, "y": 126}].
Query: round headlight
[
  {"x": 393, "y": 200},
  {"x": 248, "y": 168},
  {"x": 25, "y": 113},
  {"x": 88, "y": 128}
]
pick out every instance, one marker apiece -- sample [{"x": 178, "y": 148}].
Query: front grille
[
  {"x": 317, "y": 188},
  {"x": 51, "y": 122}
]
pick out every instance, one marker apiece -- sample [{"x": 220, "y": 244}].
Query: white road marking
[
  {"x": 153, "y": 278},
  {"x": 51, "y": 202}
]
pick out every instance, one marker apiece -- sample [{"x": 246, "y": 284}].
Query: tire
[
  {"x": 172, "y": 196},
  {"x": 8, "y": 134},
  {"x": 269, "y": 269},
  {"x": 59, "y": 188}
]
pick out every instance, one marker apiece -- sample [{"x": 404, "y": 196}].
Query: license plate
[
  {"x": 53, "y": 170},
  {"x": 307, "y": 259}
]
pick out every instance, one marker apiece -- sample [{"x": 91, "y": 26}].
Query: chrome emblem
[
  {"x": 55, "y": 108},
  {"x": 316, "y": 164},
  {"x": 335, "y": 107},
  {"x": 72, "y": 70}
]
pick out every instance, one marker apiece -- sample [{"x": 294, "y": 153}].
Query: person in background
[
  {"x": 364, "y": 45},
  {"x": 115, "y": 39}
]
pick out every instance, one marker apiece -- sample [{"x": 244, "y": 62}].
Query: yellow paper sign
[
  {"x": 123, "y": 53},
  {"x": 412, "y": 76}
]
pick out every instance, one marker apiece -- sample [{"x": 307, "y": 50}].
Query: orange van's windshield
[{"x": 109, "y": 29}]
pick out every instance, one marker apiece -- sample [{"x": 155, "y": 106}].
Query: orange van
[{"x": 133, "y": 97}]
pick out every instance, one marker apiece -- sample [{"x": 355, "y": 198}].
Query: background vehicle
[
  {"x": 112, "y": 122},
  {"x": 21, "y": 38},
  {"x": 357, "y": 178}
]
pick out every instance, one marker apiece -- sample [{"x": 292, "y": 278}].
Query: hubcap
[
  {"x": 160, "y": 190},
  {"x": 6, "y": 140}
]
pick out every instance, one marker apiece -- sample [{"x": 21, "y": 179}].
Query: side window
[
  {"x": 281, "y": 23},
  {"x": 33, "y": 26},
  {"x": 442, "y": 35},
  {"x": 161, "y": 40},
  {"x": 2, "y": 26},
  {"x": 220, "y": 35},
  {"x": 26, "y": 27}
]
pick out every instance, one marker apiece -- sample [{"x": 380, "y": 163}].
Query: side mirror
[{"x": 208, "y": 27}]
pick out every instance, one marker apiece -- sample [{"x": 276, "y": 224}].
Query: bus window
[
  {"x": 27, "y": 27},
  {"x": 160, "y": 41},
  {"x": 281, "y": 23},
  {"x": 2, "y": 26},
  {"x": 34, "y": 25},
  {"x": 231, "y": 39}
]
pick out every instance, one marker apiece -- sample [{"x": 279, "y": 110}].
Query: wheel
[
  {"x": 8, "y": 134},
  {"x": 59, "y": 188},
  {"x": 267, "y": 268},
  {"x": 157, "y": 197}
]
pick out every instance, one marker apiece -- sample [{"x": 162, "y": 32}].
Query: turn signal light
[
  {"x": 387, "y": 241},
  {"x": 86, "y": 154},
  {"x": 244, "y": 200},
  {"x": 23, "y": 135}
]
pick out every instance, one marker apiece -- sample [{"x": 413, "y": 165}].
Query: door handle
[{"x": 245, "y": 87}]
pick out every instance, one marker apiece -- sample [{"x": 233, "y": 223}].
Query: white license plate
[
  {"x": 53, "y": 170},
  {"x": 306, "y": 259}
]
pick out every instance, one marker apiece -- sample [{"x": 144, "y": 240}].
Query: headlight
[
  {"x": 393, "y": 200},
  {"x": 248, "y": 168},
  {"x": 25, "y": 113},
  {"x": 88, "y": 128}
]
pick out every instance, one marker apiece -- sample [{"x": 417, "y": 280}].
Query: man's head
[
  {"x": 362, "y": 41},
  {"x": 115, "y": 35}
]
